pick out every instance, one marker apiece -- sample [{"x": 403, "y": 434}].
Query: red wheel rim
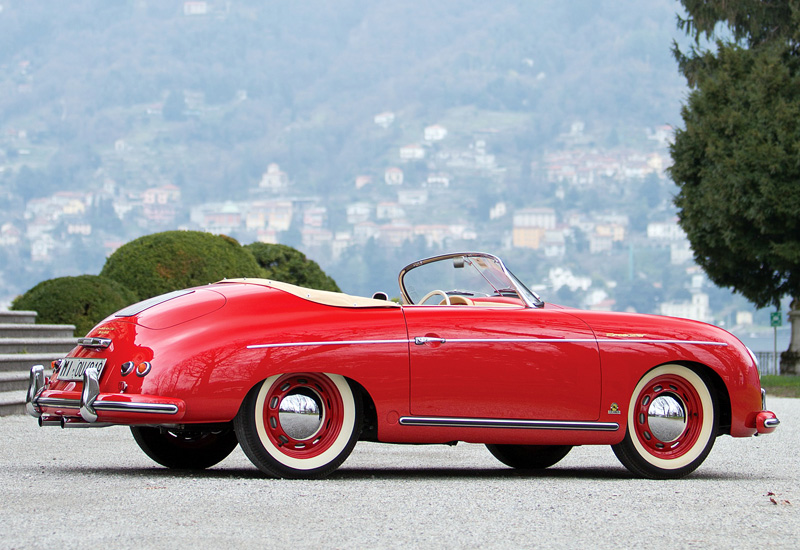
[
  {"x": 329, "y": 414},
  {"x": 679, "y": 391}
]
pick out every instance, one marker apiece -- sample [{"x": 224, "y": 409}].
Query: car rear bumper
[{"x": 91, "y": 408}]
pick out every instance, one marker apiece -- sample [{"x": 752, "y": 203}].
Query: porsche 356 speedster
[{"x": 297, "y": 376}]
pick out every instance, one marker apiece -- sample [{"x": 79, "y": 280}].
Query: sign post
[{"x": 776, "y": 320}]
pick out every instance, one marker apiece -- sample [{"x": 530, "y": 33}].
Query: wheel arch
[
  {"x": 369, "y": 429},
  {"x": 718, "y": 389}
]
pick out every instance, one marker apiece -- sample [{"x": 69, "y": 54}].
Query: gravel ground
[{"x": 94, "y": 488}]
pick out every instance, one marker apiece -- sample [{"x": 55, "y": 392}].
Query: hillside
[
  {"x": 209, "y": 99},
  {"x": 367, "y": 134}
]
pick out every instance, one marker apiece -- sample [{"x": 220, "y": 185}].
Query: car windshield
[{"x": 472, "y": 275}]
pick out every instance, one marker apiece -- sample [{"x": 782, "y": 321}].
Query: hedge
[
  {"x": 284, "y": 263},
  {"x": 162, "y": 262},
  {"x": 82, "y": 301}
]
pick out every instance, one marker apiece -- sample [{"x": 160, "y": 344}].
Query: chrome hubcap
[
  {"x": 666, "y": 418},
  {"x": 300, "y": 414}
]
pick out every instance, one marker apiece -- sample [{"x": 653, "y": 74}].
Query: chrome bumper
[
  {"x": 766, "y": 421},
  {"x": 88, "y": 405}
]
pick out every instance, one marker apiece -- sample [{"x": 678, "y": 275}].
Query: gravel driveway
[{"x": 95, "y": 489}]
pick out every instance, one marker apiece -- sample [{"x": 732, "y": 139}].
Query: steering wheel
[{"x": 434, "y": 293}]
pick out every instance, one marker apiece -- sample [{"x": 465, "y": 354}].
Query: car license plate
[{"x": 73, "y": 367}]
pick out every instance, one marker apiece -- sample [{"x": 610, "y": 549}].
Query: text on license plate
[{"x": 73, "y": 368}]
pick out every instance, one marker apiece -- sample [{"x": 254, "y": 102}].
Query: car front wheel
[
  {"x": 192, "y": 450},
  {"x": 529, "y": 457},
  {"x": 299, "y": 425},
  {"x": 672, "y": 424}
]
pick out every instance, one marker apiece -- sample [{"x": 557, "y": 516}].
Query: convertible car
[{"x": 297, "y": 376}]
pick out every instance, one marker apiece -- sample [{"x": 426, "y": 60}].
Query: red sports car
[{"x": 297, "y": 376}]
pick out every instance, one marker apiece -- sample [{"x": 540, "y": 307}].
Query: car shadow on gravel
[
  {"x": 598, "y": 473},
  {"x": 388, "y": 474},
  {"x": 466, "y": 473}
]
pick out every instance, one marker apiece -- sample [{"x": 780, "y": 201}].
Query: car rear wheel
[
  {"x": 672, "y": 424},
  {"x": 529, "y": 457},
  {"x": 192, "y": 450},
  {"x": 299, "y": 425}
]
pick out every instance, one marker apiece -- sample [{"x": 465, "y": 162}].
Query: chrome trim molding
[
  {"x": 585, "y": 341},
  {"x": 523, "y": 293},
  {"x": 89, "y": 394},
  {"x": 94, "y": 342},
  {"x": 646, "y": 341},
  {"x": 330, "y": 343},
  {"x": 127, "y": 406},
  {"x": 453, "y": 422},
  {"x": 35, "y": 387},
  {"x": 419, "y": 340},
  {"x": 772, "y": 423},
  {"x": 115, "y": 406},
  {"x": 58, "y": 402}
]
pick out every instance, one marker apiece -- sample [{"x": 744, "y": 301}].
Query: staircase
[{"x": 22, "y": 345}]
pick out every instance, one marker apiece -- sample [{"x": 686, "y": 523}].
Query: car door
[{"x": 504, "y": 362}]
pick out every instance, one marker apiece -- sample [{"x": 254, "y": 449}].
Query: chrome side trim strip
[
  {"x": 772, "y": 423},
  {"x": 452, "y": 422},
  {"x": 329, "y": 343},
  {"x": 491, "y": 341},
  {"x": 522, "y": 340},
  {"x": 646, "y": 341},
  {"x": 582, "y": 341}
]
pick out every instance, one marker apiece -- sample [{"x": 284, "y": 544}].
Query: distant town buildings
[
  {"x": 435, "y": 132},
  {"x": 423, "y": 194},
  {"x": 274, "y": 178},
  {"x": 393, "y": 176},
  {"x": 385, "y": 119},
  {"x": 412, "y": 152},
  {"x": 697, "y": 308}
]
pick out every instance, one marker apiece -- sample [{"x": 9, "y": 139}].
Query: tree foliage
[
  {"x": 753, "y": 22},
  {"x": 163, "y": 262},
  {"x": 737, "y": 161},
  {"x": 284, "y": 263},
  {"x": 82, "y": 301}
]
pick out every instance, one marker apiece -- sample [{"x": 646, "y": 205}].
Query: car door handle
[{"x": 422, "y": 340}]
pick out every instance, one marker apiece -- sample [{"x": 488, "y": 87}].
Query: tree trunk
[{"x": 790, "y": 359}]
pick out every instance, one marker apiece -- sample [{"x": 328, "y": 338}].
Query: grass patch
[{"x": 781, "y": 385}]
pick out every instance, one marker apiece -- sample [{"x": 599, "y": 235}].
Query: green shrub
[
  {"x": 284, "y": 263},
  {"x": 82, "y": 301},
  {"x": 163, "y": 262}
]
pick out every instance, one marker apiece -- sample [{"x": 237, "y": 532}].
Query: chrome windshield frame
[{"x": 529, "y": 298}]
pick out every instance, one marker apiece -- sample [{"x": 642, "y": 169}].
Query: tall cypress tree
[{"x": 737, "y": 159}]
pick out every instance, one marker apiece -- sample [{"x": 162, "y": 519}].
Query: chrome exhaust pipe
[
  {"x": 49, "y": 421},
  {"x": 74, "y": 422}
]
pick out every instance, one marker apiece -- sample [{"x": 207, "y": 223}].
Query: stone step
[
  {"x": 36, "y": 345},
  {"x": 16, "y": 381},
  {"x": 24, "y": 330},
  {"x": 12, "y": 402},
  {"x": 17, "y": 317},
  {"x": 23, "y": 362}
]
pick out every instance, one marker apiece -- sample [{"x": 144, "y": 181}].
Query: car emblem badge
[{"x": 614, "y": 409}]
